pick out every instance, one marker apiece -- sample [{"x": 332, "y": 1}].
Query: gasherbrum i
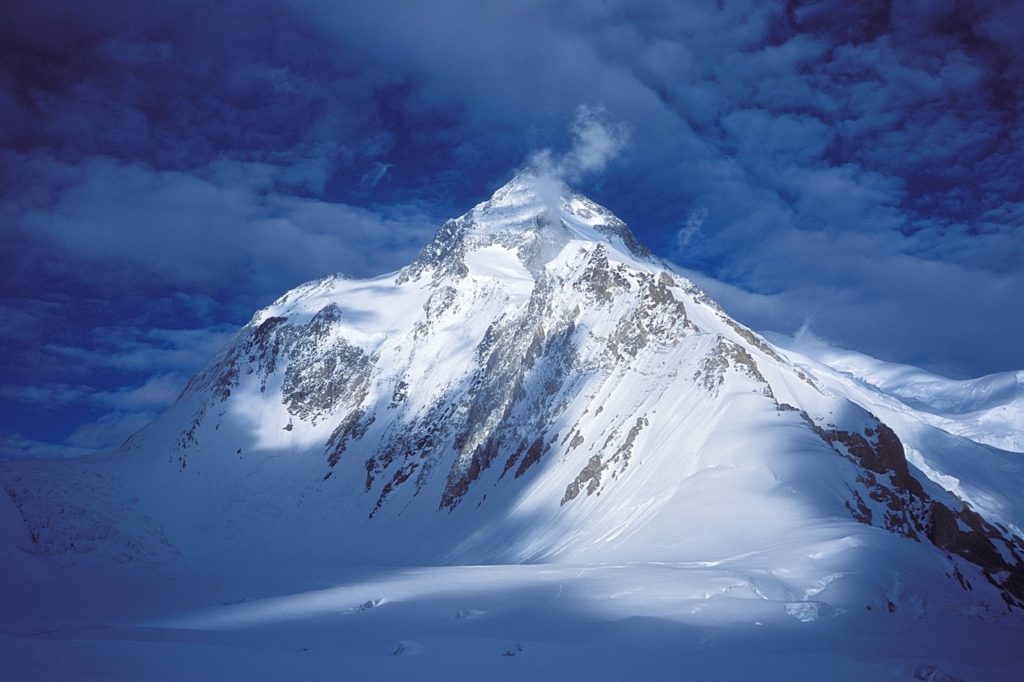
[{"x": 536, "y": 386}]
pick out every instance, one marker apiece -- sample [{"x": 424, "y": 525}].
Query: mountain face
[{"x": 536, "y": 386}]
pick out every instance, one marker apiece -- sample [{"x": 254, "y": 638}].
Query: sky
[{"x": 167, "y": 168}]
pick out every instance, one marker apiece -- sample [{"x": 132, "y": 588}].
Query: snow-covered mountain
[
  {"x": 988, "y": 409},
  {"x": 537, "y": 387}
]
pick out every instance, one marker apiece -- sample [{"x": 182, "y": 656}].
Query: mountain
[
  {"x": 537, "y": 387},
  {"x": 987, "y": 410}
]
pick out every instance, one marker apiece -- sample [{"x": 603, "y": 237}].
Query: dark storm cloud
[{"x": 168, "y": 168}]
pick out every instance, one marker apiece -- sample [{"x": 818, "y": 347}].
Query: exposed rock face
[
  {"x": 589, "y": 479},
  {"x": 323, "y": 369},
  {"x": 711, "y": 373},
  {"x": 969, "y": 536},
  {"x": 909, "y": 511},
  {"x": 658, "y": 319},
  {"x": 443, "y": 256}
]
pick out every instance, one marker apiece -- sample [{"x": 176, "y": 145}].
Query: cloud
[
  {"x": 596, "y": 141},
  {"x": 146, "y": 349},
  {"x": 375, "y": 174},
  {"x": 857, "y": 166},
  {"x": 17, "y": 446},
  {"x": 136, "y": 53},
  {"x": 806, "y": 341},
  {"x": 109, "y": 430},
  {"x": 49, "y": 396},
  {"x": 212, "y": 225},
  {"x": 157, "y": 393},
  {"x": 898, "y": 308},
  {"x": 127, "y": 375}
]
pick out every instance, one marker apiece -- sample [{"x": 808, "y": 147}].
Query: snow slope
[
  {"x": 524, "y": 622},
  {"x": 535, "y": 391},
  {"x": 988, "y": 410},
  {"x": 965, "y": 435}
]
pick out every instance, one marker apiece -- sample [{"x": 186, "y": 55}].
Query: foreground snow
[{"x": 530, "y": 622}]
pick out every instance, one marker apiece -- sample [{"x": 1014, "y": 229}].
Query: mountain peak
[
  {"x": 536, "y": 198},
  {"x": 532, "y": 186},
  {"x": 536, "y": 214}
]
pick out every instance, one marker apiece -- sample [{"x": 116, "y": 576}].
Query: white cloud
[
  {"x": 222, "y": 225},
  {"x": 110, "y": 430},
  {"x": 17, "y": 446},
  {"x": 157, "y": 392}
]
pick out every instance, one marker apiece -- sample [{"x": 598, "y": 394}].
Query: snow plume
[
  {"x": 807, "y": 342},
  {"x": 596, "y": 141},
  {"x": 693, "y": 224}
]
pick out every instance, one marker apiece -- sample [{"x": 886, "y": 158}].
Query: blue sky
[{"x": 167, "y": 168}]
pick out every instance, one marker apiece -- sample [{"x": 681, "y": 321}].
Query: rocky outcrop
[
  {"x": 967, "y": 535},
  {"x": 616, "y": 461},
  {"x": 443, "y": 255},
  {"x": 903, "y": 506},
  {"x": 724, "y": 356},
  {"x": 589, "y": 480},
  {"x": 599, "y": 281},
  {"x": 657, "y": 319},
  {"x": 524, "y": 362},
  {"x": 324, "y": 369}
]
